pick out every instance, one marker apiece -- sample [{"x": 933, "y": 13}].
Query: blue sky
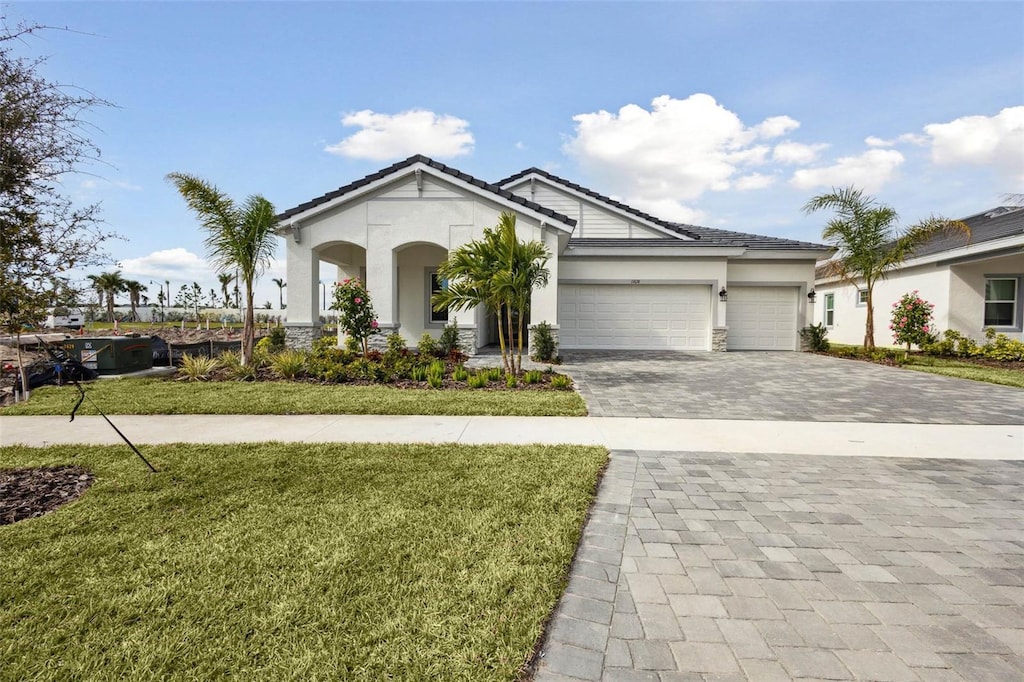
[{"x": 724, "y": 114}]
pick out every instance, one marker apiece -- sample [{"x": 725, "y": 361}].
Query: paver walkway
[
  {"x": 775, "y": 567},
  {"x": 781, "y": 386}
]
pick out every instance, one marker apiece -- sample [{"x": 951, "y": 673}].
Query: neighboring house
[
  {"x": 620, "y": 278},
  {"x": 974, "y": 283}
]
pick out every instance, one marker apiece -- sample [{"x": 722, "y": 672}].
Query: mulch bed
[{"x": 28, "y": 493}]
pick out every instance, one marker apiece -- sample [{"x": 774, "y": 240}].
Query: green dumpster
[{"x": 112, "y": 354}]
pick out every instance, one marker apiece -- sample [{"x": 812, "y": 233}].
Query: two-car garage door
[{"x": 634, "y": 316}]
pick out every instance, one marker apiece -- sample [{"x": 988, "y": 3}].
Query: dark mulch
[{"x": 28, "y": 493}]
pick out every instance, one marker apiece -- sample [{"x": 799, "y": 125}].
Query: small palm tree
[
  {"x": 225, "y": 279},
  {"x": 134, "y": 290},
  {"x": 239, "y": 236},
  {"x": 868, "y": 242},
  {"x": 281, "y": 284},
  {"x": 108, "y": 285},
  {"x": 500, "y": 273}
]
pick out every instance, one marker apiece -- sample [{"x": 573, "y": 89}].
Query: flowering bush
[
  {"x": 356, "y": 316},
  {"x": 912, "y": 320}
]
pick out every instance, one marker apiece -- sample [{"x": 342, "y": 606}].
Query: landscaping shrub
[
  {"x": 276, "y": 339},
  {"x": 545, "y": 349},
  {"x": 533, "y": 377},
  {"x": 196, "y": 367},
  {"x": 561, "y": 382},
  {"x": 289, "y": 364},
  {"x": 510, "y": 381},
  {"x": 418, "y": 373},
  {"x": 449, "y": 342},
  {"x": 478, "y": 380},
  {"x": 815, "y": 337},
  {"x": 396, "y": 345},
  {"x": 911, "y": 320},
  {"x": 459, "y": 373},
  {"x": 428, "y": 346},
  {"x": 1001, "y": 347},
  {"x": 435, "y": 381},
  {"x": 494, "y": 374}
]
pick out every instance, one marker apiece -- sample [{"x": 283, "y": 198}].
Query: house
[
  {"x": 974, "y": 283},
  {"x": 620, "y": 278}
]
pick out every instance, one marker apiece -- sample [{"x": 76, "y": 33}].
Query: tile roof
[
  {"x": 447, "y": 170},
  {"x": 996, "y": 223},
  {"x": 600, "y": 197},
  {"x": 755, "y": 242}
]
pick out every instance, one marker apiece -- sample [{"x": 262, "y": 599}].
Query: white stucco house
[
  {"x": 620, "y": 278},
  {"x": 973, "y": 282}
]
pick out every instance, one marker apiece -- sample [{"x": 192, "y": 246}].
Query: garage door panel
[
  {"x": 634, "y": 316},
  {"x": 762, "y": 318}
]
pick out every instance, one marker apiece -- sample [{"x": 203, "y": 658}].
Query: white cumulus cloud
[
  {"x": 663, "y": 158},
  {"x": 995, "y": 141},
  {"x": 869, "y": 171},
  {"x": 795, "y": 153},
  {"x": 384, "y": 137}
]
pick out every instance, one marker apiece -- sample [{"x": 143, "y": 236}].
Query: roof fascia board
[
  {"x": 645, "y": 251},
  {"x": 536, "y": 177},
  {"x": 784, "y": 254},
  {"x": 410, "y": 170}
]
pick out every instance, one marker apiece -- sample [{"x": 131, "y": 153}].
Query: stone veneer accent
[
  {"x": 380, "y": 341},
  {"x": 531, "y": 330},
  {"x": 719, "y": 339},
  {"x": 301, "y": 336},
  {"x": 467, "y": 340}
]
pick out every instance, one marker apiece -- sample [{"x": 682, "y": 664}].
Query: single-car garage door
[
  {"x": 762, "y": 318},
  {"x": 634, "y": 316}
]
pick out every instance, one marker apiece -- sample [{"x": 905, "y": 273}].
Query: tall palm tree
[
  {"x": 239, "y": 236},
  {"x": 134, "y": 290},
  {"x": 500, "y": 273},
  {"x": 869, "y": 243},
  {"x": 109, "y": 285},
  {"x": 225, "y": 278},
  {"x": 281, "y": 284}
]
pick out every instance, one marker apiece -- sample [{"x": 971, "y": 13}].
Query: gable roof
[
  {"x": 595, "y": 195},
  {"x": 447, "y": 170}
]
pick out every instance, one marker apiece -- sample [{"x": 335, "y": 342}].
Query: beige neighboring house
[
  {"x": 974, "y": 283},
  {"x": 620, "y": 278}
]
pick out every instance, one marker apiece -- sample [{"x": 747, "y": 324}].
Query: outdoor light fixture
[
  {"x": 812, "y": 296},
  {"x": 723, "y": 295}
]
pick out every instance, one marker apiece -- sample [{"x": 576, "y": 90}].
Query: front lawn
[
  {"x": 165, "y": 396},
  {"x": 293, "y": 562},
  {"x": 976, "y": 369}
]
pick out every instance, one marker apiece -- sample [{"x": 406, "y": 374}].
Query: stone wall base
[
  {"x": 301, "y": 336},
  {"x": 719, "y": 339},
  {"x": 531, "y": 333},
  {"x": 380, "y": 341},
  {"x": 467, "y": 340}
]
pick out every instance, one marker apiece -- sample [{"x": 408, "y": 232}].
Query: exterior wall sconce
[
  {"x": 812, "y": 296},
  {"x": 723, "y": 295}
]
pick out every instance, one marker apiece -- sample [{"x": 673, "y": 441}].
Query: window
[
  {"x": 862, "y": 296},
  {"x": 434, "y": 285},
  {"x": 1001, "y": 294},
  {"x": 830, "y": 309}
]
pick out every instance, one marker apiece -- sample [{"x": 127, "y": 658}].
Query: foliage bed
[{"x": 293, "y": 562}]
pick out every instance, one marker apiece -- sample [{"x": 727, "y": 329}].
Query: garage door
[
  {"x": 762, "y": 318},
  {"x": 651, "y": 317}
]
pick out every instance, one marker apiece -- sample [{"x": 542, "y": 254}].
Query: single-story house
[
  {"x": 620, "y": 278},
  {"x": 973, "y": 282}
]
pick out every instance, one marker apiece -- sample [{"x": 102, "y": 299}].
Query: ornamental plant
[
  {"x": 355, "y": 312},
  {"x": 912, "y": 320}
]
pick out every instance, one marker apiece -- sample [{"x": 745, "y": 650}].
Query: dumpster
[{"x": 112, "y": 354}]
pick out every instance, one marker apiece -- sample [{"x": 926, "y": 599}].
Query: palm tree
[
  {"x": 225, "y": 279},
  {"x": 109, "y": 285},
  {"x": 134, "y": 290},
  {"x": 281, "y": 284},
  {"x": 868, "y": 242},
  {"x": 499, "y": 272},
  {"x": 239, "y": 236}
]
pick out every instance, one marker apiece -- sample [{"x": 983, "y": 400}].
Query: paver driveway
[
  {"x": 775, "y": 567},
  {"x": 781, "y": 386}
]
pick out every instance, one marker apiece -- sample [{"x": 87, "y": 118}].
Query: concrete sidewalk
[{"x": 616, "y": 433}]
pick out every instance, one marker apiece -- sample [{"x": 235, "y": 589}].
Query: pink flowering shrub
[
  {"x": 912, "y": 320},
  {"x": 356, "y": 317}
]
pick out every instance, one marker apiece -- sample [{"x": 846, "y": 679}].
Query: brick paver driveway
[
  {"x": 775, "y": 567},
  {"x": 781, "y": 386}
]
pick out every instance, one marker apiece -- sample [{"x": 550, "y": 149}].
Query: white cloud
[
  {"x": 662, "y": 158},
  {"x": 869, "y": 171},
  {"x": 995, "y": 141},
  {"x": 754, "y": 181},
  {"x": 392, "y": 136},
  {"x": 520, "y": 146},
  {"x": 795, "y": 153},
  {"x": 909, "y": 138}
]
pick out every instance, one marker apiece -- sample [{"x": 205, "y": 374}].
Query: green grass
[
  {"x": 967, "y": 370},
  {"x": 163, "y": 396},
  {"x": 275, "y": 561}
]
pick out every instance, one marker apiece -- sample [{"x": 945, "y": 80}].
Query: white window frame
[
  {"x": 428, "y": 318},
  {"x": 861, "y": 294},
  {"x": 1015, "y": 325},
  {"x": 829, "y": 308}
]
